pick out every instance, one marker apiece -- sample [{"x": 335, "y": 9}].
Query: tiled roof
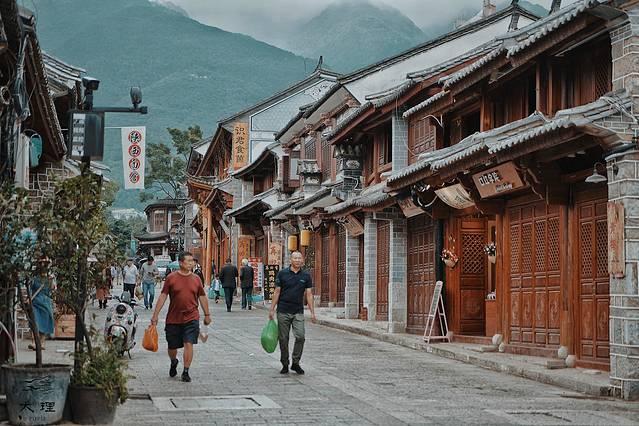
[
  {"x": 280, "y": 209},
  {"x": 426, "y": 103},
  {"x": 369, "y": 197},
  {"x": 459, "y": 32},
  {"x": 516, "y": 41},
  {"x": 502, "y": 138},
  {"x": 153, "y": 236},
  {"x": 255, "y": 201},
  {"x": 352, "y": 116}
]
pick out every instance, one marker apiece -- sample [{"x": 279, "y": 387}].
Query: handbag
[
  {"x": 211, "y": 293},
  {"x": 139, "y": 294},
  {"x": 150, "y": 341}
]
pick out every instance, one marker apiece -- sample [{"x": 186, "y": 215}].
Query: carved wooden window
[
  {"x": 421, "y": 137},
  {"x": 310, "y": 149},
  {"x": 327, "y": 159},
  {"x": 473, "y": 257},
  {"x": 159, "y": 221}
]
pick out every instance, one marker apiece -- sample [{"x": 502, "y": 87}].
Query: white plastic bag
[{"x": 204, "y": 333}]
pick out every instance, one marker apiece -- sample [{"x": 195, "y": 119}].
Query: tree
[
  {"x": 121, "y": 229},
  {"x": 166, "y": 172}
]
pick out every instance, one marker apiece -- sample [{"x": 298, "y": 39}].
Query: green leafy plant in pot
[
  {"x": 36, "y": 393},
  {"x": 99, "y": 385}
]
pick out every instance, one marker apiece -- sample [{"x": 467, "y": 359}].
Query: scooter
[{"x": 120, "y": 325}]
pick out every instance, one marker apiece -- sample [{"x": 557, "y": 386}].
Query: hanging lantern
[
  {"x": 305, "y": 238},
  {"x": 292, "y": 242}
]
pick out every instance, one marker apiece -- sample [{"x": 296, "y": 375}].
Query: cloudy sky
[{"x": 268, "y": 20}]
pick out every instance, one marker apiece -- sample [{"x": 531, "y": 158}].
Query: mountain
[
  {"x": 353, "y": 34},
  {"x": 189, "y": 73}
]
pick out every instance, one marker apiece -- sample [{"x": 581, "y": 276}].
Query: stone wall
[
  {"x": 351, "y": 293},
  {"x": 370, "y": 266}
]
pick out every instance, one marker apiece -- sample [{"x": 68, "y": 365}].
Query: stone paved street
[{"x": 349, "y": 379}]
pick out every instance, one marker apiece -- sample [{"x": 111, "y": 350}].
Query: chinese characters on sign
[
  {"x": 243, "y": 248},
  {"x": 616, "y": 254},
  {"x": 500, "y": 179},
  {"x": 133, "y": 153},
  {"x": 275, "y": 254},
  {"x": 270, "y": 273},
  {"x": 409, "y": 208},
  {"x": 258, "y": 267},
  {"x": 240, "y": 145}
]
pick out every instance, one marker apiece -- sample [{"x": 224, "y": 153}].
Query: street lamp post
[{"x": 90, "y": 85}]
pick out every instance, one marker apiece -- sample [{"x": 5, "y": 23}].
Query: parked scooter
[{"x": 120, "y": 325}]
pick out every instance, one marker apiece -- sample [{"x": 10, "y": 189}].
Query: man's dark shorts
[{"x": 178, "y": 334}]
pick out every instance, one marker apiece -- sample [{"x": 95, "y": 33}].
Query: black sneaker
[
  {"x": 186, "y": 377},
  {"x": 249, "y": 308},
  {"x": 284, "y": 370},
  {"x": 297, "y": 369},
  {"x": 173, "y": 369}
]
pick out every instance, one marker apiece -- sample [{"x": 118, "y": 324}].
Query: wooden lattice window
[
  {"x": 310, "y": 151},
  {"x": 421, "y": 137},
  {"x": 326, "y": 159},
  {"x": 159, "y": 221},
  {"x": 473, "y": 257}
]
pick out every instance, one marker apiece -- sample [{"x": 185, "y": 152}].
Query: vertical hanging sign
[
  {"x": 133, "y": 153},
  {"x": 240, "y": 145}
]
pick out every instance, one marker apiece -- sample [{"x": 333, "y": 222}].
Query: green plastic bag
[{"x": 269, "y": 336}]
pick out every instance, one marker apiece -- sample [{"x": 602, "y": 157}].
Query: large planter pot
[
  {"x": 36, "y": 396},
  {"x": 89, "y": 406}
]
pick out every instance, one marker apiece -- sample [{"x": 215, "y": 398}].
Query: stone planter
[
  {"x": 36, "y": 396},
  {"x": 90, "y": 406},
  {"x": 492, "y": 258}
]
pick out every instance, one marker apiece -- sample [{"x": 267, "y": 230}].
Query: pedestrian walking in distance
[
  {"x": 292, "y": 284},
  {"x": 184, "y": 289},
  {"x": 130, "y": 276},
  {"x": 246, "y": 282},
  {"x": 228, "y": 278},
  {"x": 149, "y": 273}
]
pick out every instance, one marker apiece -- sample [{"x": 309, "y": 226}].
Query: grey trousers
[{"x": 284, "y": 323}]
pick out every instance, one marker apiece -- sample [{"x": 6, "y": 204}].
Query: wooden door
[
  {"x": 326, "y": 275},
  {"x": 361, "y": 273},
  {"x": 383, "y": 265},
  {"x": 593, "y": 287},
  {"x": 472, "y": 271},
  {"x": 421, "y": 271},
  {"x": 533, "y": 260},
  {"x": 341, "y": 265}
]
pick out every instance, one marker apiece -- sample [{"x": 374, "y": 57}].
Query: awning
[{"x": 319, "y": 200}]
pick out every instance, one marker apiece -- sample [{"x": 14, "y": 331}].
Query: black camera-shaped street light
[{"x": 86, "y": 128}]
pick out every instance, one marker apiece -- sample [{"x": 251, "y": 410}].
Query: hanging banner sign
[
  {"x": 240, "y": 145},
  {"x": 243, "y": 248},
  {"x": 258, "y": 270},
  {"x": 455, "y": 196},
  {"x": 409, "y": 208},
  {"x": 274, "y": 253},
  {"x": 497, "y": 180},
  {"x": 353, "y": 226},
  {"x": 270, "y": 274},
  {"x": 133, "y": 154}
]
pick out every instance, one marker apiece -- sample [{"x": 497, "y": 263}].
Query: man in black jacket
[
  {"x": 246, "y": 282},
  {"x": 228, "y": 279}
]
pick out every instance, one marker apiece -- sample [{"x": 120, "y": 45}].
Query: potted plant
[
  {"x": 491, "y": 251},
  {"x": 36, "y": 393},
  {"x": 449, "y": 258},
  {"x": 100, "y": 383}
]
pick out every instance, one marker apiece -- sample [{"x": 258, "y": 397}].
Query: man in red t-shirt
[{"x": 184, "y": 288}]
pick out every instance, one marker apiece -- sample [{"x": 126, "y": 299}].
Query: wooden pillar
[
  {"x": 501, "y": 281},
  {"x": 568, "y": 253},
  {"x": 208, "y": 257},
  {"x": 332, "y": 288}
]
